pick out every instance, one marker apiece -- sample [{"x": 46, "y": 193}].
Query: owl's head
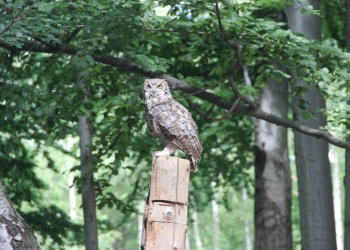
[{"x": 156, "y": 87}]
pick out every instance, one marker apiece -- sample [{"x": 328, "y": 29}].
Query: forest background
[{"x": 250, "y": 72}]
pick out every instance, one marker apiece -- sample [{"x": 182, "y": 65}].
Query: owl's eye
[
  {"x": 148, "y": 86},
  {"x": 159, "y": 86}
]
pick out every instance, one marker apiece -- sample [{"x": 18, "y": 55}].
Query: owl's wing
[
  {"x": 149, "y": 120},
  {"x": 178, "y": 127}
]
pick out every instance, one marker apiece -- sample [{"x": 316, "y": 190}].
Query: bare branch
[
  {"x": 186, "y": 88},
  {"x": 18, "y": 17},
  {"x": 73, "y": 34},
  {"x": 5, "y": 9},
  {"x": 211, "y": 109},
  {"x": 111, "y": 145},
  {"x": 246, "y": 100},
  {"x": 232, "y": 109},
  {"x": 238, "y": 53},
  {"x": 206, "y": 88},
  {"x": 235, "y": 104},
  {"x": 219, "y": 20}
]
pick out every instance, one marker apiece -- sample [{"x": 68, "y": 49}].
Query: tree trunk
[
  {"x": 248, "y": 240},
  {"x": 187, "y": 244},
  {"x": 313, "y": 168},
  {"x": 14, "y": 231},
  {"x": 140, "y": 221},
  {"x": 333, "y": 156},
  {"x": 194, "y": 217},
  {"x": 87, "y": 165},
  {"x": 347, "y": 153},
  {"x": 72, "y": 195},
  {"x": 197, "y": 236},
  {"x": 347, "y": 200},
  {"x": 216, "y": 219},
  {"x": 272, "y": 173}
]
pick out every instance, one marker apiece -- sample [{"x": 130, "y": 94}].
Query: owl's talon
[
  {"x": 160, "y": 153},
  {"x": 154, "y": 160}
]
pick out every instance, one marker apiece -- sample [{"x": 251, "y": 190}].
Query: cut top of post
[{"x": 170, "y": 179}]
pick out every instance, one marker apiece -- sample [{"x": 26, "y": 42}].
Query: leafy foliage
[{"x": 54, "y": 224}]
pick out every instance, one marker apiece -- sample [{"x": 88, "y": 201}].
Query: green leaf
[
  {"x": 299, "y": 90},
  {"x": 305, "y": 114},
  {"x": 88, "y": 105},
  {"x": 62, "y": 133},
  {"x": 89, "y": 58},
  {"x": 39, "y": 112},
  {"x": 282, "y": 73},
  {"x": 75, "y": 168}
]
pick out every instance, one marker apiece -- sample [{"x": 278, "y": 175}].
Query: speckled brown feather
[{"x": 170, "y": 121}]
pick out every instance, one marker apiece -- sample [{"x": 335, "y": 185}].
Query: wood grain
[{"x": 165, "y": 217}]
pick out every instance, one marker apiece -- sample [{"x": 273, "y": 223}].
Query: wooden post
[{"x": 165, "y": 217}]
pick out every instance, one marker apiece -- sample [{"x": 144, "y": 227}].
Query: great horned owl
[{"x": 170, "y": 122}]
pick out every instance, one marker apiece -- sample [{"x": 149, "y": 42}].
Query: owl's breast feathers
[{"x": 173, "y": 124}]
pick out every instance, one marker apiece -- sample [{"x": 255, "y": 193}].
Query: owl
[{"x": 170, "y": 122}]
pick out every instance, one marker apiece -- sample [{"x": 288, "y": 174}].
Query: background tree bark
[
  {"x": 194, "y": 217},
  {"x": 337, "y": 196},
  {"x": 272, "y": 173},
  {"x": 313, "y": 168},
  {"x": 72, "y": 194},
  {"x": 216, "y": 218},
  {"x": 14, "y": 231},
  {"x": 87, "y": 165},
  {"x": 248, "y": 240}
]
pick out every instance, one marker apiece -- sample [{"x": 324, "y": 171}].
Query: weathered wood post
[{"x": 165, "y": 217}]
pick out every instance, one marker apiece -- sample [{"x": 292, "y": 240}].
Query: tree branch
[
  {"x": 206, "y": 88},
  {"x": 221, "y": 27},
  {"x": 111, "y": 145},
  {"x": 232, "y": 109},
  {"x": 72, "y": 35},
  {"x": 186, "y": 88},
  {"x": 18, "y": 17},
  {"x": 246, "y": 100},
  {"x": 227, "y": 41}
]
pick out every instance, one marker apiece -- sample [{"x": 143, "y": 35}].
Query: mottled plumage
[{"x": 170, "y": 122}]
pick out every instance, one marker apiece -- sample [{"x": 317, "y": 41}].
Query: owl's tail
[{"x": 193, "y": 166}]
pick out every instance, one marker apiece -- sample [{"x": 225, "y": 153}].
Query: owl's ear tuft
[{"x": 163, "y": 80}]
